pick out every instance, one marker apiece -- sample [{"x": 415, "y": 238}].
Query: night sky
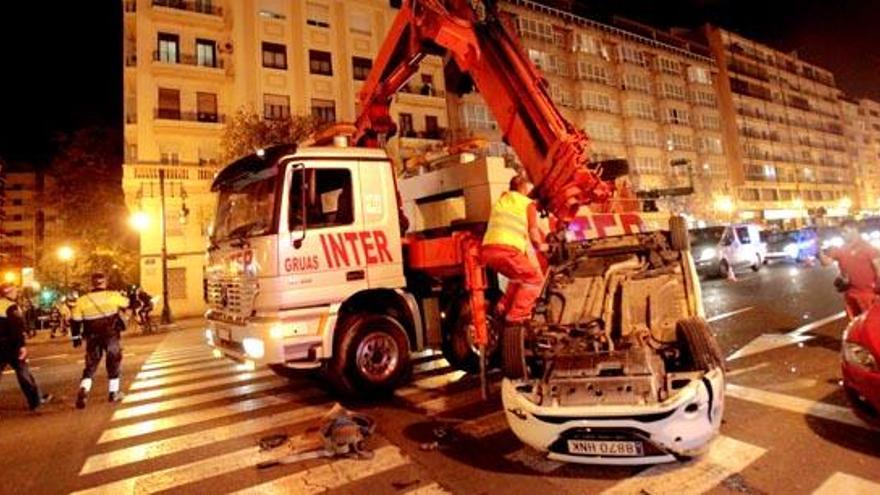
[{"x": 61, "y": 60}]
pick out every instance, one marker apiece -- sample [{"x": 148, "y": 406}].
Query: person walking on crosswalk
[
  {"x": 95, "y": 318},
  {"x": 13, "y": 352}
]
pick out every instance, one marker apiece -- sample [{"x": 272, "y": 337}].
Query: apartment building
[
  {"x": 862, "y": 131},
  {"x": 26, "y": 223},
  {"x": 190, "y": 65},
  {"x": 640, "y": 94},
  {"x": 783, "y": 124}
]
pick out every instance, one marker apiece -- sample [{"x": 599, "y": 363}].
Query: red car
[{"x": 861, "y": 364}]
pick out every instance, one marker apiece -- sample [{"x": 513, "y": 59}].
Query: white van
[{"x": 717, "y": 250}]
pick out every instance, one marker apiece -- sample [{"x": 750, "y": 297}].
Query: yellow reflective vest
[
  {"x": 98, "y": 304},
  {"x": 509, "y": 222}
]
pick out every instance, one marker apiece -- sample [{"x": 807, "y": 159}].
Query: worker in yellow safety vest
[
  {"x": 95, "y": 318},
  {"x": 511, "y": 239}
]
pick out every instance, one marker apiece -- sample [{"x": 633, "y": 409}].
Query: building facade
[
  {"x": 862, "y": 128},
  {"x": 28, "y": 227},
  {"x": 783, "y": 123},
  {"x": 189, "y": 66}
]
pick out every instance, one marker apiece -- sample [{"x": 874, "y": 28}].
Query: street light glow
[
  {"x": 65, "y": 253},
  {"x": 724, "y": 204},
  {"x": 846, "y": 203},
  {"x": 139, "y": 221},
  {"x": 9, "y": 277}
]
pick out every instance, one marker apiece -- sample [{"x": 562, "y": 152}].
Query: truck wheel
[
  {"x": 696, "y": 338},
  {"x": 371, "y": 358},
  {"x": 513, "y": 352},
  {"x": 678, "y": 233},
  {"x": 458, "y": 342}
]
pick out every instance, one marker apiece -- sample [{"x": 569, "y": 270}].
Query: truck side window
[
  {"x": 329, "y": 198},
  {"x": 743, "y": 234}
]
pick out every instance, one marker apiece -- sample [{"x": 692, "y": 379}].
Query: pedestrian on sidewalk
[
  {"x": 96, "y": 318},
  {"x": 13, "y": 351},
  {"x": 859, "y": 264}
]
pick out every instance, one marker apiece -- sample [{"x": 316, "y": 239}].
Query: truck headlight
[
  {"x": 253, "y": 347},
  {"x": 209, "y": 336},
  {"x": 859, "y": 356},
  {"x": 791, "y": 250},
  {"x": 708, "y": 253}
]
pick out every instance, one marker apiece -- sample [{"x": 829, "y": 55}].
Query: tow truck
[{"x": 313, "y": 265}]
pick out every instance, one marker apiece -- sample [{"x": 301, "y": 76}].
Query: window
[
  {"x": 169, "y": 157},
  {"x": 711, "y": 145},
  {"x": 324, "y": 110},
  {"x": 632, "y": 55},
  {"x": 676, "y": 91},
  {"x": 699, "y": 75},
  {"x": 169, "y": 48},
  {"x": 647, "y": 165},
  {"x": 477, "y": 116},
  {"x": 677, "y": 116},
  {"x": 432, "y": 127},
  {"x": 328, "y": 202},
  {"x": 603, "y": 131},
  {"x": 533, "y": 28},
  {"x": 668, "y": 65},
  {"x": 743, "y": 234},
  {"x": 705, "y": 98},
  {"x": 318, "y": 14},
  {"x": 320, "y": 62},
  {"x": 641, "y": 109},
  {"x": 206, "y": 107},
  {"x": 636, "y": 82},
  {"x": 680, "y": 142},
  {"x": 406, "y": 125},
  {"x": 274, "y": 55},
  {"x": 643, "y": 137},
  {"x": 597, "y": 101},
  {"x": 539, "y": 58},
  {"x": 592, "y": 72},
  {"x": 177, "y": 282},
  {"x": 206, "y": 53},
  {"x": 585, "y": 43},
  {"x": 276, "y": 106},
  {"x": 169, "y": 104},
  {"x": 561, "y": 95},
  {"x": 557, "y": 65},
  {"x": 711, "y": 121},
  {"x": 360, "y": 68},
  {"x": 360, "y": 23},
  {"x": 748, "y": 194}
]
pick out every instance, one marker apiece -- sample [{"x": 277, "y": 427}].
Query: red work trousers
[
  {"x": 524, "y": 280},
  {"x": 858, "y": 301}
]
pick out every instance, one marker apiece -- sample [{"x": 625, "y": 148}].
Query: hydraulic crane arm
[{"x": 553, "y": 151}]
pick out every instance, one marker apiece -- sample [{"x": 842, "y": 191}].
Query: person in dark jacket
[{"x": 13, "y": 352}]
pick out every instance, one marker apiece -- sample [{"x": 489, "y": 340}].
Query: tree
[
  {"x": 86, "y": 191},
  {"x": 247, "y": 131}
]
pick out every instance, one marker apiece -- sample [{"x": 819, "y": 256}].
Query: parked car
[
  {"x": 830, "y": 237},
  {"x": 717, "y": 250},
  {"x": 860, "y": 363},
  {"x": 791, "y": 245}
]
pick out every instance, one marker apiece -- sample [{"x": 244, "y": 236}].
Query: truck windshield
[{"x": 246, "y": 206}]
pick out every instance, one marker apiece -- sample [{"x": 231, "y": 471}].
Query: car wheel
[
  {"x": 513, "y": 352},
  {"x": 372, "y": 357},
  {"x": 458, "y": 341},
  {"x": 703, "y": 352},
  {"x": 758, "y": 264}
]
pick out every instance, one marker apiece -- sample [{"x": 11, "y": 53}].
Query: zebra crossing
[{"x": 191, "y": 422}]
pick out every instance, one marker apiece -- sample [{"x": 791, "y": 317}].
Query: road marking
[
  {"x": 182, "y": 357},
  {"x": 726, "y": 457},
  {"x": 179, "y": 443},
  {"x": 743, "y": 371},
  {"x": 202, "y": 415},
  {"x": 769, "y": 341},
  {"x": 534, "y": 460},
  {"x": 145, "y": 375},
  {"x": 336, "y": 474},
  {"x": 179, "y": 350},
  {"x": 171, "y": 380},
  {"x": 46, "y": 358},
  {"x": 171, "y": 404},
  {"x": 190, "y": 387},
  {"x": 176, "y": 362},
  {"x": 177, "y": 354},
  {"x": 432, "y": 489},
  {"x": 840, "y": 483},
  {"x": 723, "y": 316},
  {"x": 795, "y": 404}
]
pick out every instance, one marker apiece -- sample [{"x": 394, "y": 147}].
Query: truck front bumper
[
  {"x": 681, "y": 426},
  {"x": 294, "y": 340}
]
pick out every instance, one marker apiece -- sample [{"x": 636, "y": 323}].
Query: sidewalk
[{"x": 187, "y": 323}]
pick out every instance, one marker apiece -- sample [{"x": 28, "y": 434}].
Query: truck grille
[{"x": 233, "y": 297}]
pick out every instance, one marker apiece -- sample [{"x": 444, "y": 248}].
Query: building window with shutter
[
  {"x": 276, "y": 107},
  {"x": 206, "y": 53},
  {"x": 169, "y": 48},
  {"x": 324, "y": 110},
  {"x": 360, "y": 68},
  {"x": 320, "y": 62},
  {"x": 318, "y": 14},
  {"x": 274, "y": 55},
  {"x": 169, "y": 104},
  {"x": 206, "y": 107}
]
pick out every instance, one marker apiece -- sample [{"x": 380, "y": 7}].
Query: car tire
[
  {"x": 372, "y": 357},
  {"x": 513, "y": 353},
  {"x": 458, "y": 346},
  {"x": 704, "y": 353},
  {"x": 678, "y": 233}
]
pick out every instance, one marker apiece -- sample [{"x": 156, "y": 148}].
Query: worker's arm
[
  {"x": 536, "y": 236},
  {"x": 76, "y": 323}
]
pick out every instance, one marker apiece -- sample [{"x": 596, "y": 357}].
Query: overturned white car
[{"x": 618, "y": 366}]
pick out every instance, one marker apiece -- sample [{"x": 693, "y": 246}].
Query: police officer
[
  {"x": 13, "y": 352},
  {"x": 95, "y": 318}
]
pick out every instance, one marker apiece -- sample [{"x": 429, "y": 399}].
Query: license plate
[{"x": 603, "y": 447}]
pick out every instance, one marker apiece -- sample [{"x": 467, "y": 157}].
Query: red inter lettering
[
  {"x": 326, "y": 251},
  {"x": 630, "y": 220},
  {"x": 368, "y": 248},
  {"x": 352, "y": 238},
  {"x": 603, "y": 222},
  {"x": 337, "y": 246},
  {"x": 382, "y": 246}
]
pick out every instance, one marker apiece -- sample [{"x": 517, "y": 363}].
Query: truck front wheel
[
  {"x": 458, "y": 342},
  {"x": 371, "y": 358}
]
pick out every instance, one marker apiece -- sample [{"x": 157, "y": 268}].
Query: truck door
[
  {"x": 322, "y": 257},
  {"x": 381, "y": 234}
]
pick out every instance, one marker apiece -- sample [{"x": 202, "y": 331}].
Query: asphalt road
[{"x": 190, "y": 423}]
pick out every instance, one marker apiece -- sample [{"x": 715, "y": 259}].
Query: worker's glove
[{"x": 77, "y": 341}]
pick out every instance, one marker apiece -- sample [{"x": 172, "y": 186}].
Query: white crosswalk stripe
[
  {"x": 190, "y": 387},
  {"x": 843, "y": 483},
  {"x": 146, "y": 375},
  {"x": 184, "y": 377}
]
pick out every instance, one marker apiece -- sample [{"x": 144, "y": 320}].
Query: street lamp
[
  {"x": 10, "y": 277},
  {"x": 65, "y": 254}
]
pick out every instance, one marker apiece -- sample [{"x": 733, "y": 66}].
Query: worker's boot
[
  {"x": 81, "y": 397},
  {"x": 115, "y": 397}
]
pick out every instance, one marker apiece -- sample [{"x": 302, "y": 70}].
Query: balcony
[
  {"x": 173, "y": 114},
  {"x": 188, "y": 59},
  {"x": 199, "y": 7},
  {"x": 130, "y": 6},
  {"x": 182, "y": 172}
]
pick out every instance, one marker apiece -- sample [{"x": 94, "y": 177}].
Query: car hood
[{"x": 866, "y": 332}]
